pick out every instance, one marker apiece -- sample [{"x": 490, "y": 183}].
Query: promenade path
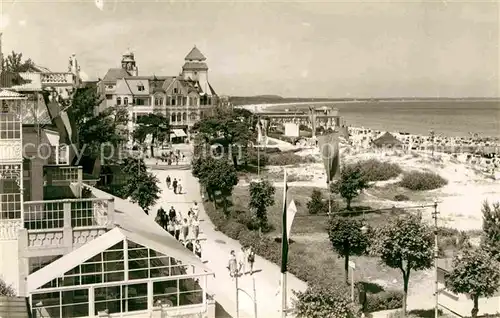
[{"x": 215, "y": 251}]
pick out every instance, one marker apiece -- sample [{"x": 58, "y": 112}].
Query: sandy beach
[{"x": 471, "y": 179}]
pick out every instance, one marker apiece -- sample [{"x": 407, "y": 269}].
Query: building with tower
[
  {"x": 67, "y": 248},
  {"x": 184, "y": 98}
]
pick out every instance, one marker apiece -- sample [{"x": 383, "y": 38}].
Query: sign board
[
  {"x": 291, "y": 130},
  {"x": 352, "y": 265}
]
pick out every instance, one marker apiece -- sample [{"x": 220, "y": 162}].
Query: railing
[
  {"x": 56, "y": 78},
  {"x": 69, "y": 213},
  {"x": 57, "y": 174}
]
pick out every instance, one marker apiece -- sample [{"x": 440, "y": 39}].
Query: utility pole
[{"x": 436, "y": 254}]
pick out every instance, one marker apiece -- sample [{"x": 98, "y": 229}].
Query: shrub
[
  {"x": 401, "y": 197},
  {"x": 317, "y": 204},
  {"x": 285, "y": 159},
  {"x": 324, "y": 302},
  {"x": 6, "y": 290},
  {"x": 233, "y": 229},
  {"x": 422, "y": 181},
  {"x": 375, "y": 170},
  {"x": 385, "y": 300}
]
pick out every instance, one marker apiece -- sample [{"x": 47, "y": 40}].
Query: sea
[{"x": 445, "y": 117}]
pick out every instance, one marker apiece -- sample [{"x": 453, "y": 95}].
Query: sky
[{"x": 335, "y": 49}]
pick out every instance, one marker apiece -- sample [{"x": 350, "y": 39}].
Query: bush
[
  {"x": 422, "y": 181},
  {"x": 6, "y": 290},
  {"x": 375, "y": 170},
  {"x": 385, "y": 300},
  {"x": 324, "y": 302},
  {"x": 317, "y": 205},
  {"x": 401, "y": 197},
  {"x": 233, "y": 229},
  {"x": 285, "y": 159}
]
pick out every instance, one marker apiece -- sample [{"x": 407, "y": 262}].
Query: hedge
[
  {"x": 385, "y": 300},
  {"x": 422, "y": 181}
]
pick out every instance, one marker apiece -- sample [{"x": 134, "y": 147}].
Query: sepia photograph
[{"x": 249, "y": 159}]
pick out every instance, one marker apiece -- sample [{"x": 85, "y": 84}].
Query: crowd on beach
[{"x": 481, "y": 153}]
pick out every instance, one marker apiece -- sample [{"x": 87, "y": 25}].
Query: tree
[
  {"x": 347, "y": 238},
  {"x": 155, "y": 125},
  {"x": 14, "y": 63},
  {"x": 317, "y": 204},
  {"x": 320, "y": 301},
  {"x": 474, "y": 272},
  {"x": 405, "y": 243},
  {"x": 218, "y": 175},
  {"x": 228, "y": 127},
  {"x": 92, "y": 131},
  {"x": 261, "y": 197},
  {"x": 351, "y": 183},
  {"x": 6, "y": 290},
  {"x": 491, "y": 229},
  {"x": 140, "y": 185}
]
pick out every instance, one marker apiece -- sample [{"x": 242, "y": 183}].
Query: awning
[
  {"x": 179, "y": 133},
  {"x": 52, "y": 137}
]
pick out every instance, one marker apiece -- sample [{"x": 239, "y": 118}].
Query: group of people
[
  {"x": 172, "y": 157},
  {"x": 243, "y": 264},
  {"x": 180, "y": 227},
  {"x": 176, "y": 185}
]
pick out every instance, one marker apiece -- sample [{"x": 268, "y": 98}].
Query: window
[
  {"x": 173, "y": 118},
  {"x": 118, "y": 101},
  {"x": 184, "y": 116},
  {"x": 125, "y": 101},
  {"x": 179, "y": 116},
  {"x": 140, "y": 102},
  {"x": 10, "y": 126},
  {"x": 175, "y": 90},
  {"x": 140, "y": 88},
  {"x": 173, "y": 101},
  {"x": 158, "y": 101},
  {"x": 109, "y": 96}
]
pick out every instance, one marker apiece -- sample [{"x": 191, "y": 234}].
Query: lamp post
[{"x": 237, "y": 274}]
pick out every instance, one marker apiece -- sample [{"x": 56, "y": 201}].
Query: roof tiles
[{"x": 195, "y": 54}]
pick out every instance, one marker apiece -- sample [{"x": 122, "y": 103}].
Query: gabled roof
[
  {"x": 114, "y": 74},
  {"x": 37, "y": 114},
  {"x": 122, "y": 87},
  {"x": 195, "y": 66},
  {"x": 134, "y": 85},
  {"x": 132, "y": 224},
  {"x": 195, "y": 54}
]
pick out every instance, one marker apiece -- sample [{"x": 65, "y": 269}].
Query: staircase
[{"x": 14, "y": 307}]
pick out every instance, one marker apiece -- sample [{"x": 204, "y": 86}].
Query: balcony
[
  {"x": 62, "y": 175},
  {"x": 65, "y": 223}
]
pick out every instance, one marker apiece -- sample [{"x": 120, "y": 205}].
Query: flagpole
[{"x": 284, "y": 250}]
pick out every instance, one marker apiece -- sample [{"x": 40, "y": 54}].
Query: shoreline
[{"x": 461, "y": 136}]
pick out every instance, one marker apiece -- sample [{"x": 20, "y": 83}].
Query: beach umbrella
[{"x": 329, "y": 149}]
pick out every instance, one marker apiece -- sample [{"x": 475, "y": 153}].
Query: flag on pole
[
  {"x": 291, "y": 211},
  {"x": 329, "y": 149},
  {"x": 284, "y": 225}
]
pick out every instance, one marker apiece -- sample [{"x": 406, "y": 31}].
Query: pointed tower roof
[{"x": 195, "y": 54}]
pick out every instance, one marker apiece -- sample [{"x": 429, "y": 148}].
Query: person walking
[
  {"x": 242, "y": 259},
  {"x": 177, "y": 228},
  {"x": 169, "y": 181},
  {"x": 197, "y": 248},
  {"x": 195, "y": 208},
  {"x": 195, "y": 224},
  {"x": 232, "y": 265},
  {"x": 179, "y": 187},
  {"x": 174, "y": 185},
  {"x": 171, "y": 228},
  {"x": 251, "y": 258},
  {"x": 172, "y": 214},
  {"x": 185, "y": 229}
]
